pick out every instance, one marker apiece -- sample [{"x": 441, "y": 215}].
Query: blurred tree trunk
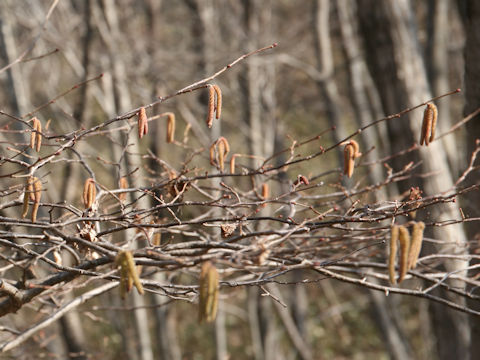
[
  {"x": 205, "y": 34},
  {"x": 393, "y": 55},
  {"x": 357, "y": 71},
  {"x": 123, "y": 103},
  {"x": 258, "y": 89},
  {"x": 327, "y": 86},
  {"x": 437, "y": 60},
  {"x": 472, "y": 96}
]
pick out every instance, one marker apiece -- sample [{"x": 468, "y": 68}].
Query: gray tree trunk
[
  {"x": 471, "y": 15},
  {"x": 395, "y": 60}
]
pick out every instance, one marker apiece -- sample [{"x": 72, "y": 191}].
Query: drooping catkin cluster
[
  {"x": 218, "y": 153},
  {"x": 128, "y": 273},
  {"x": 142, "y": 123},
  {"x": 123, "y": 184},
  {"x": 429, "y": 124},
  {"x": 89, "y": 193},
  {"x": 36, "y": 136},
  {"x": 33, "y": 192},
  {"x": 208, "y": 289},
  {"x": 350, "y": 152},
  {"x": 410, "y": 248},
  {"x": 214, "y": 106},
  {"x": 170, "y": 126}
]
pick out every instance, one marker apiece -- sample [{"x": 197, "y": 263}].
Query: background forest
[{"x": 261, "y": 202}]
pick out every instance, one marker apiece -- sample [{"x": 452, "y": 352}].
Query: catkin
[
  {"x": 128, "y": 273},
  {"x": 123, "y": 184},
  {"x": 404, "y": 238},
  {"x": 429, "y": 124},
  {"x": 265, "y": 193},
  {"x": 37, "y": 193},
  {"x": 393, "y": 254},
  {"x": 434, "y": 122},
  {"x": 416, "y": 245},
  {"x": 142, "y": 122},
  {"x": 356, "y": 149},
  {"x": 212, "y": 153},
  {"x": 170, "y": 127},
  {"x": 157, "y": 239},
  {"x": 232, "y": 164},
  {"x": 211, "y": 105},
  {"x": 28, "y": 195},
  {"x": 208, "y": 289},
  {"x": 218, "y": 107},
  {"x": 89, "y": 193},
  {"x": 36, "y": 136},
  {"x": 223, "y": 150},
  {"x": 349, "y": 158}
]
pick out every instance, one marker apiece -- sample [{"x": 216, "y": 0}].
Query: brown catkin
[
  {"x": 212, "y": 153},
  {"x": 404, "y": 238},
  {"x": 28, "y": 195},
  {"x": 128, "y": 273},
  {"x": 434, "y": 122},
  {"x": 356, "y": 149},
  {"x": 416, "y": 245},
  {"x": 429, "y": 123},
  {"x": 38, "y": 140},
  {"x": 123, "y": 184},
  {"x": 211, "y": 105},
  {"x": 208, "y": 289},
  {"x": 89, "y": 193},
  {"x": 223, "y": 148},
  {"x": 142, "y": 122},
  {"x": 393, "y": 254},
  {"x": 218, "y": 107},
  {"x": 265, "y": 193},
  {"x": 170, "y": 127},
  {"x": 349, "y": 158},
  {"x": 37, "y": 193},
  {"x": 157, "y": 239},
  {"x": 232, "y": 164},
  {"x": 35, "y": 136}
]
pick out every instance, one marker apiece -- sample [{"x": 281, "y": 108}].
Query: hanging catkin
[
  {"x": 404, "y": 239},
  {"x": 393, "y": 254},
  {"x": 208, "y": 289}
]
